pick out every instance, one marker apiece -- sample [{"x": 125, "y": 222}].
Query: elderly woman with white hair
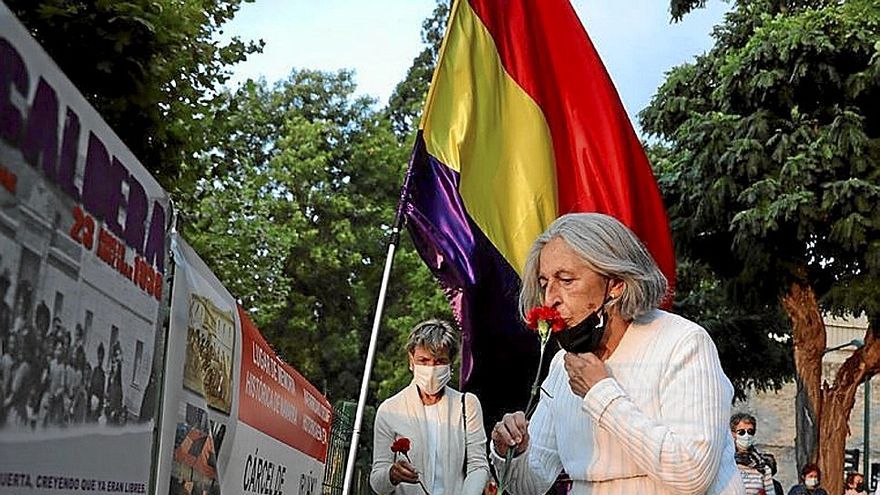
[
  {"x": 447, "y": 441},
  {"x": 636, "y": 401}
]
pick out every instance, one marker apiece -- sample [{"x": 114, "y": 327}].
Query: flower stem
[
  {"x": 420, "y": 477},
  {"x": 536, "y": 386},
  {"x": 530, "y": 409}
]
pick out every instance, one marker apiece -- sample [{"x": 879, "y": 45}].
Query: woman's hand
[
  {"x": 584, "y": 371},
  {"x": 403, "y": 471},
  {"x": 512, "y": 430}
]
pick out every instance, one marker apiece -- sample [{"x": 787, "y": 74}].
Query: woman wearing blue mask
[
  {"x": 757, "y": 468},
  {"x": 811, "y": 477},
  {"x": 636, "y": 401},
  {"x": 445, "y": 427}
]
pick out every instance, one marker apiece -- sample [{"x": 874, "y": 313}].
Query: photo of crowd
[
  {"x": 46, "y": 379},
  {"x": 210, "y": 344},
  {"x": 76, "y": 346}
]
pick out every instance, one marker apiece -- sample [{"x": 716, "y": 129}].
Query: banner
[
  {"x": 236, "y": 418},
  {"x": 82, "y": 241}
]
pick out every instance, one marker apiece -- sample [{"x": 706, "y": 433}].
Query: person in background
[
  {"x": 20, "y": 380},
  {"x": 42, "y": 318},
  {"x": 855, "y": 484},
  {"x": 79, "y": 384},
  {"x": 56, "y": 376},
  {"x": 811, "y": 477},
  {"x": 756, "y": 468},
  {"x": 444, "y": 426},
  {"x": 97, "y": 385},
  {"x": 115, "y": 407}
]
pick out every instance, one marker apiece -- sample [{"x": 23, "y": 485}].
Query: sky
[{"x": 378, "y": 39}]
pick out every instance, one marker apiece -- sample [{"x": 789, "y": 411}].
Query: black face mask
[
  {"x": 860, "y": 487},
  {"x": 586, "y": 335}
]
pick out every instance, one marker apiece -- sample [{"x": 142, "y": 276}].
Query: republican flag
[{"x": 521, "y": 125}]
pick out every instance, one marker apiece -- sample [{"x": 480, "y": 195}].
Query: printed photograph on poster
[
  {"x": 210, "y": 345},
  {"x": 71, "y": 352},
  {"x": 196, "y": 443}
]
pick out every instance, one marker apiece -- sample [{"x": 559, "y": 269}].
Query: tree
[
  {"x": 752, "y": 336},
  {"x": 679, "y": 8},
  {"x": 296, "y": 220},
  {"x": 150, "y": 68},
  {"x": 772, "y": 149},
  {"x": 406, "y": 102}
]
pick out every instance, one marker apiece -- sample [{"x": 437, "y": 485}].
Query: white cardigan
[
  {"x": 403, "y": 415},
  {"x": 658, "y": 425}
]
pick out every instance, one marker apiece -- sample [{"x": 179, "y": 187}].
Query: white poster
[
  {"x": 82, "y": 258},
  {"x": 236, "y": 418}
]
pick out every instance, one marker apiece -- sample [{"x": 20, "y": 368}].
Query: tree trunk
[
  {"x": 806, "y": 431},
  {"x": 838, "y": 401},
  {"x": 837, "y": 404},
  {"x": 823, "y": 411},
  {"x": 808, "y": 333}
]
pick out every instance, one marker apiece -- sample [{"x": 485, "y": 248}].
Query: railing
[{"x": 337, "y": 452}]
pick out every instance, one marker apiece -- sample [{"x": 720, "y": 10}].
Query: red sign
[{"x": 275, "y": 399}]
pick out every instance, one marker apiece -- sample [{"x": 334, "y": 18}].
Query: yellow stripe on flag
[{"x": 479, "y": 122}]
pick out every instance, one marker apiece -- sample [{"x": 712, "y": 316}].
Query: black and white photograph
[{"x": 76, "y": 346}]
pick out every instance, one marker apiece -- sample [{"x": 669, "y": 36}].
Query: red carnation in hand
[
  {"x": 400, "y": 446},
  {"x": 546, "y": 314}
]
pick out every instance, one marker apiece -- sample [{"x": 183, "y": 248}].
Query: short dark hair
[
  {"x": 809, "y": 468},
  {"x": 851, "y": 477},
  {"x": 741, "y": 416}
]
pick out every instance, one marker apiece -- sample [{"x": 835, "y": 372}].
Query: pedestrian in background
[
  {"x": 757, "y": 468},
  {"x": 855, "y": 484},
  {"x": 811, "y": 478},
  {"x": 447, "y": 453}
]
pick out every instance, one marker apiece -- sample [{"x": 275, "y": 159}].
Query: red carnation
[
  {"x": 400, "y": 446},
  {"x": 547, "y": 314}
]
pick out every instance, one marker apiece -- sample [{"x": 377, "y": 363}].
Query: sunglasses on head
[{"x": 741, "y": 432}]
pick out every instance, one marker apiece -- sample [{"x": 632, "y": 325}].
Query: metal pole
[
  {"x": 368, "y": 368},
  {"x": 867, "y": 430},
  {"x": 394, "y": 239}
]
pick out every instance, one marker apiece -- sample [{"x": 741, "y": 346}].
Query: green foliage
[
  {"x": 405, "y": 103},
  {"x": 295, "y": 221},
  {"x": 772, "y": 152},
  {"x": 679, "y": 8},
  {"x": 750, "y": 331},
  {"x": 148, "y": 66}
]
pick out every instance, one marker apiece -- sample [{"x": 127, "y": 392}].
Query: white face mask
[
  {"x": 745, "y": 442},
  {"x": 431, "y": 379},
  {"x": 811, "y": 482}
]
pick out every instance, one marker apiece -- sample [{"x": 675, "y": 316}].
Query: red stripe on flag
[{"x": 600, "y": 163}]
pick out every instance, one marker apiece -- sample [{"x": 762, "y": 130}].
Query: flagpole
[
  {"x": 394, "y": 240},
  {"x": 392, "y": 245}
]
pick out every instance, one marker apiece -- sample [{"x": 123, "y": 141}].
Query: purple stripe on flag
[{"x": 499, "y": 355}]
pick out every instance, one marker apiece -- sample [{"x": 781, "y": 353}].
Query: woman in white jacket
[
  {"x": 636, "y": 402},
  {"x": 445, "y": 427}
]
